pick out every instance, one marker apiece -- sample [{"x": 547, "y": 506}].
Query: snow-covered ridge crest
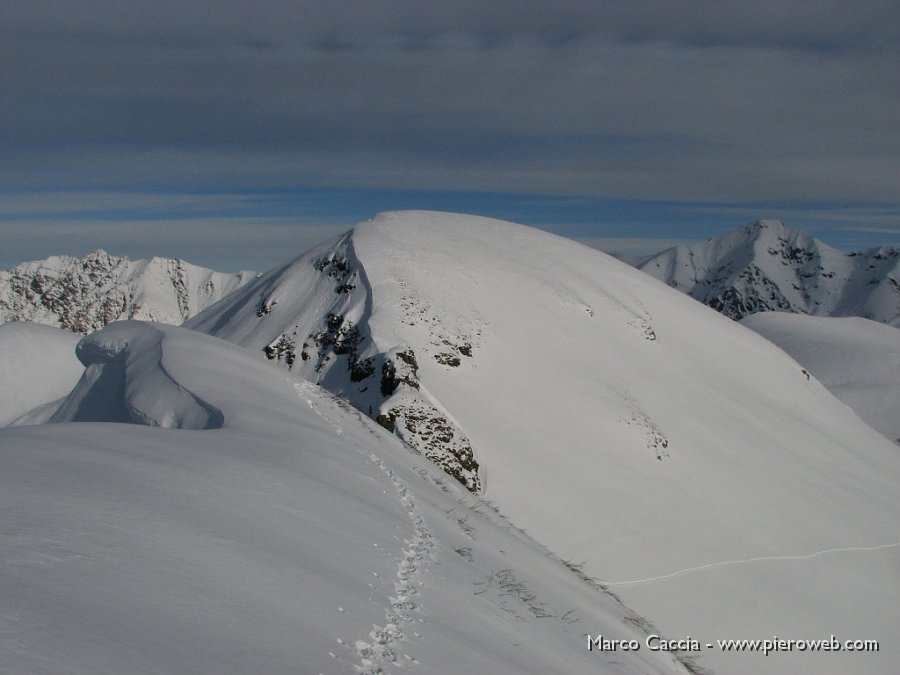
[
  {"x": 313, "y": 316},
  {"x": 767, "y": 266},
  {"x": 83, "y": 295}
]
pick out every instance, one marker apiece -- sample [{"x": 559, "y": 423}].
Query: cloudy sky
[{"x": 237, "y": 133}]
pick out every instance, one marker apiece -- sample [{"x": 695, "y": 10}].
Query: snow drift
[{"x": 126, "y": 380}]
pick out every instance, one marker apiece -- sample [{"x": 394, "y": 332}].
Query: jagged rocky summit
[
  {"x": 767, "y": 266},
  {"x": 84, "y": 294}
]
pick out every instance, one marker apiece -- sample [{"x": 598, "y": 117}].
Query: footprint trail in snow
[{"x": 418, "y": 551}]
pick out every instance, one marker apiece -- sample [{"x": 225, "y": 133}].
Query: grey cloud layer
[{"x": 651, "y": 100}]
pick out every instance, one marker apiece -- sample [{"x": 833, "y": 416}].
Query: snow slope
[
  {"x": 857, "y": 359},
  {"x": 83, "y": 295},
  {"x": 687, "y": 460},
  {"x": 251, "y": 523},
  {"x": 766, "y": 266},
  {"x": 37, "y": 366}
]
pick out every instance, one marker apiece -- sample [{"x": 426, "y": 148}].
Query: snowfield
[
  {"x": 248, "y": 522},
  {"x": 691, "y": 464},
  {"x": 857, "y": 359}
]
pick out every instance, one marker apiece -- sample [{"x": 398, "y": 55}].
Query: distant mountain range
[
  {"x": 763, "y": 266},
  {"x": 85, "y": 294},
  {"x": 766, "y": 266}
]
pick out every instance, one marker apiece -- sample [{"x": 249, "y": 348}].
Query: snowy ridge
[
  {"x": 295, "y": 534},
  {"x": 312, "y": 314},
  {"x": 766, "y": 266},
  {"x": 83, "y": 295},
  {"x": 618, "y": 421}
]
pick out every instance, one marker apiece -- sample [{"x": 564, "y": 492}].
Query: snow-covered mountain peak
[
  {"x": 767, "y": 266},
  {"x": 406, "y": 297},
  {"x": 617, "y": 420},
  {"x": 98, "y": 257},
  {"x": 84, "y": 294},
  {"x": 765, "y": 227},
  {"x": 774, "y": 231}
]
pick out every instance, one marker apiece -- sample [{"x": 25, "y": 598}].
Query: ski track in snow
[
  {"x": 380, "y": 649},
  {"x": 672, "y": 575}
]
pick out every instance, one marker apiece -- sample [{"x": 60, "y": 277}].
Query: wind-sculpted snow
[
  {"x": 619, "y": 421},
  {"x": 766, "y": 266},
  {"x": 295, "y": 536},
  {"x": 126, "y": 379}
]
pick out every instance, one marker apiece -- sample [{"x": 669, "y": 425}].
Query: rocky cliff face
[
  {"x": 83, "y": 295},
  {"x": 766, "y": 266}
]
